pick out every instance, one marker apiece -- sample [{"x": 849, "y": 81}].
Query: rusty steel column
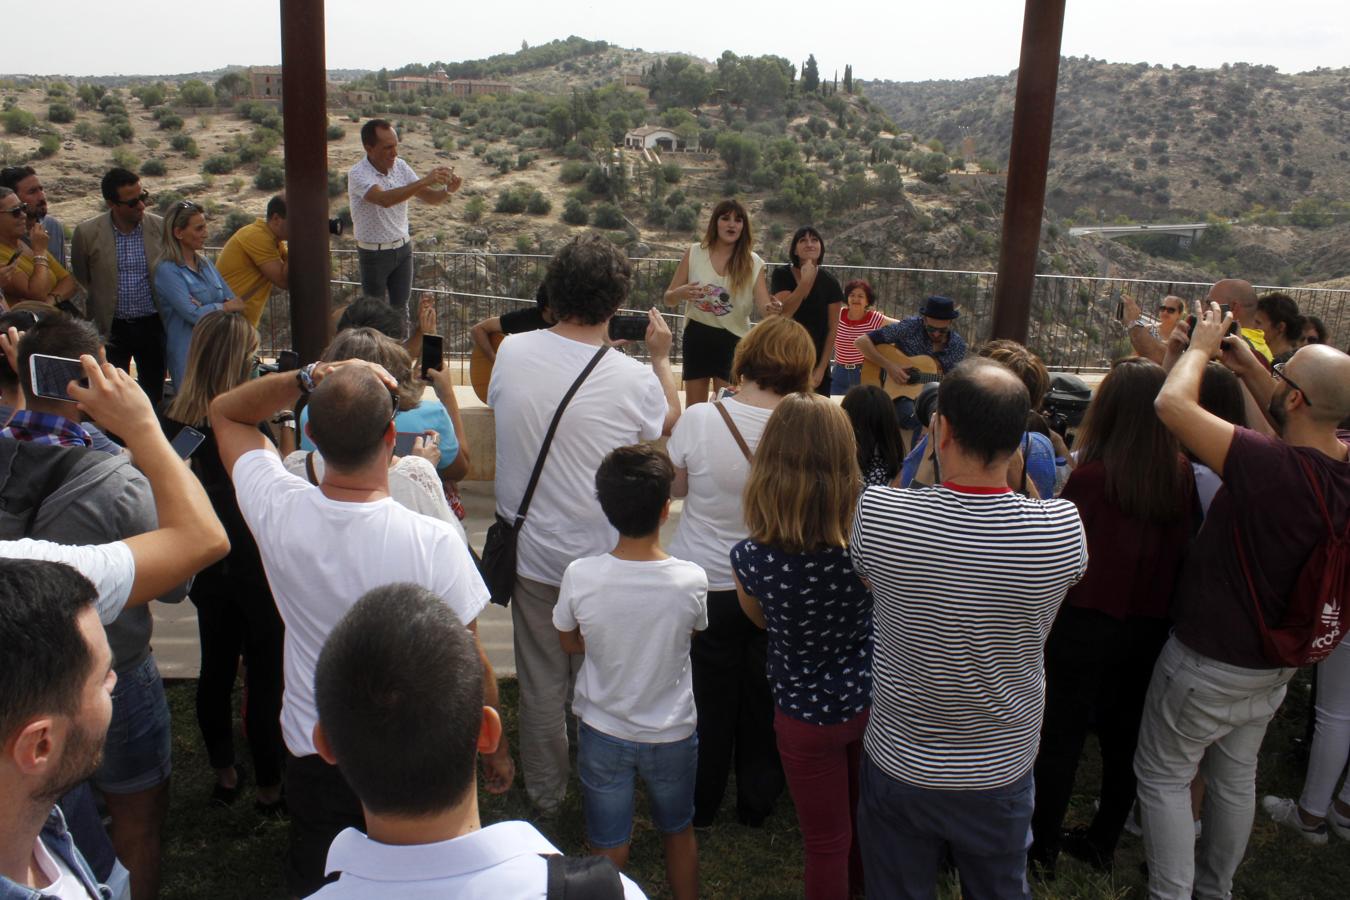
[
  {"x": 304, "y": 82},
  {"x": 1028, "y": 158}
]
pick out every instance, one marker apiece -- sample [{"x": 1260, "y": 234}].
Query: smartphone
[
  {"x": 628, "y": 328},
  {"x": 17, "y": 254},
  {"x": 187, "y": 440},
  {"x": 1120, "y": 303},
  {"x": 433, "y": 353},
  {"x": 403, "y": 441},
  {"x": 53, "y": 374},
  {"x": 288, "y": 361}
]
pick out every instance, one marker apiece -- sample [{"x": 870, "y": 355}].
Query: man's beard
[{"x": 82, "y": 755}]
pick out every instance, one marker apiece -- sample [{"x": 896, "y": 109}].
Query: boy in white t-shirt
[{"x": 632, "y": 612}]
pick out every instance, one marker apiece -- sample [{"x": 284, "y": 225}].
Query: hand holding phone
[
  {"x": 433, "y": 353},
  {"x": 52, "y": 375},
  {"x": 628, "y": 328}
]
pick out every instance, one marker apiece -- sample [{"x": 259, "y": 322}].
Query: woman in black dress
[{"x": 812, "y": 296}]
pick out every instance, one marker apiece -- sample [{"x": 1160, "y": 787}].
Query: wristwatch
[
  {"x": 304, "y": 376},
  {"x": 1137, "y": 323}
]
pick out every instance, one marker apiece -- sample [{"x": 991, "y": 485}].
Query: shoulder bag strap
[
  {"x": 548, "y": 438},
  {"x": 309, "y": 468},
  {"x": 735, "y": 432},
  {"x": 1026, "y": 461}
]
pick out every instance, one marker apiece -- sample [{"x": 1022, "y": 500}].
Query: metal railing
[{"x": 1072, "y": 325}]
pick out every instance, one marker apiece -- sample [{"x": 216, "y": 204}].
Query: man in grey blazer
[{"x": 114, "y": 256}]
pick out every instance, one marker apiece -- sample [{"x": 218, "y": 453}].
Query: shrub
[
  {"x": 153, "y": 167},
  {"x": 473, "y": 210},
  {"x": 18, "y": 121},
  {"x": 220, "y": 164},
  {"x": 61, "y": 112},
  {"x": 171, "y": 122},
  {"x": 684, "y": 219},
  {"x": 48, "y": 145},
  {"x": 672, "y": 173},
  {"x": 86, "y": 132},
  {"x": 607, "y": 215},
  {"x": 574, "y": 212},
  {"x": 524, "y": 243},
  {"x": 335, "y": 132},
  {"x": 125, "y": 159},
  {"x": 234, "y": 221},
  {"x": 271, "y": 176},
  {"x": 538, "y": 205},
  {"x": 109, "y": 135},
  {"x": 337, "y": 183},
  {"x": 572, "y": 172},
  {"x": 512, "y": 200},
  {"x": 165, "y": 201},
  {"x": 184, "y": 144},
  {"x": 196, "y": 93}
]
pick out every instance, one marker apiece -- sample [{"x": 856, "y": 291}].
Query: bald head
[
  {"x": 349, "y": 414},
  {"x": 1240, "y": 296},
  {"x": 986, "y": 408},
  {"x": 1323, "y": 374}
]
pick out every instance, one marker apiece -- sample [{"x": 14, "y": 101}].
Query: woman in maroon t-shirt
[{"x": 1135, "y": 493}]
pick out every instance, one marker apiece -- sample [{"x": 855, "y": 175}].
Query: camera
[
  {"x": 1065, "y": 403},
  {"x": 335, "y": 227}
]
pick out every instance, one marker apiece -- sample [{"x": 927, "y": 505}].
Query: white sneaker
[
  {"x": 1339, "y": 824},
  {"x": 1285, "y": 812}
]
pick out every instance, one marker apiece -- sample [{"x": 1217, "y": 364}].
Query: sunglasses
[
  {"x": 1169, "y": 309},
  {"x": 1277, "y": 371},
  {"x": 18, "y": 211},
  {"x": 933, "y": 329},
  {"x": 134, "y": 201}
]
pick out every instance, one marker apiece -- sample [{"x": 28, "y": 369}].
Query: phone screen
[
  {"x": 187, "y": 440},
  {"x": 53, "y": 374},
  {"x": 403, "y": 442},
  {"x": 433, "y": 352},
  {"x": 628, "y": 328}
]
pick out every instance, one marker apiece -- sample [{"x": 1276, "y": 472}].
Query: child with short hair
[{"x": 633, "y": 612}]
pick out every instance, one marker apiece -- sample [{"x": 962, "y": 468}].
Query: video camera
[{"x": 1065, "y": 403}]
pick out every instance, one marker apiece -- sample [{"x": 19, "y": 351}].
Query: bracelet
[
  {"x": 1137, "y": 323},
  {"x": 287, "y": 423},
  {"x": 283, "y": 417},
  {"x": 305, "y": 378},
  {"x": 39, "y": 260}
]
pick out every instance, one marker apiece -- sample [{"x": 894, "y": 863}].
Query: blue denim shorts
[
  {"x": 138, "y": 753},
  {"x": 841, "y": 379},
  {"x": 608, "y": 767}
]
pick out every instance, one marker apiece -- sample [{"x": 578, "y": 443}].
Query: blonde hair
[
  {"x": 741, "y": 267},
  {"x": 220, "y": 358},
  {"x": 179, "y": 215},
  {"x": 372, "y": 346},
  {"x": 777, "y": 354},
  {"x": 804, "y": 479}
]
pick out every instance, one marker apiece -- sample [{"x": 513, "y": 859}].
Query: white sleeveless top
[{"x": 733, "y": 314}]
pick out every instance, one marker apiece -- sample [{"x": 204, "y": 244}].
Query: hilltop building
[
  {"x": 264, "y": 82},
  {"x": 656, "y": 137}
]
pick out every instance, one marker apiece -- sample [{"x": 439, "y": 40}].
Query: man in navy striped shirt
[{"x": 967, "y": 577}]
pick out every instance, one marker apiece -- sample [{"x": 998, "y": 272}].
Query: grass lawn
[{"x": 217, "y": 853}]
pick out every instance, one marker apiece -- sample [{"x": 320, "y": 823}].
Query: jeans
[
  {"x": 905, "y": 829},
  {"x": 236, "y": 616},
  {"x": 1331, "y": 739},
  {"x": 735, "y": 715},
  {"x": 141, "y": 339},
  {"x": 1097, "y": 668},
  {"x": 137, "y": 754},
  {"x": 608, "y": 767},
  {"x": 387, "y": 274},
  {"x": 1203, "y": 715},
  {"x": 546, "y": 675},
  {"x": 821, "y": 763},
  {"x": 904, "y": 414},
  {"x": 842, "y": 378}
]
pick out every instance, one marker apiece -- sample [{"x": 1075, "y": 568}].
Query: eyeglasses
[
  {"x": 1169, "y": 309},
  {"x": 1277, "y": 371},
  {"x": 134, "y": 201},
  {"x": 17, "y": 212},
  {"x": 184, "y": 205}
]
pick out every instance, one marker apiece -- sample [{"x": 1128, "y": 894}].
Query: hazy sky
[{"x": 895, "y": 40}]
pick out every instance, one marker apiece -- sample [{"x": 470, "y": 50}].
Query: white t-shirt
[
  {"x": 713, "y": 520},
  {"x": 621, "y": 403},
  {"x": 637, "y": 619},
  {"x": 63, "y": 883},
  {"x": 322, "y": 555},
  {"x": 499, "y": 862},
  {"x": 413, "y": 482},
  {"x": 371, "y": 222},
  {"x": 110, "y": 567}
]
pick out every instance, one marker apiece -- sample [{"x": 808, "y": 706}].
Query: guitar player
[
  {"x": 930, "y": 333},
  {"x": 515, "y": 322}
]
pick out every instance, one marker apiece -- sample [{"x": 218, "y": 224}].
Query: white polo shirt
[
  {"x": 372, "y": 223},
  {"x": 498, "y": 862},
  {"x": 110, "y": 567},
  {"x": 323, "y": 555}
]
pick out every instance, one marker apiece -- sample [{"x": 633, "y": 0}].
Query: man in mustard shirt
[
  {"x": 1240, "y": 296},
  {"x": 254, "y": 259}
]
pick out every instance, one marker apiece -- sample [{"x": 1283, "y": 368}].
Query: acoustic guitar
[
  {"x": 480, "y": 367},
  {"x": 929, "y": 370}
]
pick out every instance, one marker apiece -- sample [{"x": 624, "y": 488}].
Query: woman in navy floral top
[{"x": 794, "y": 578}]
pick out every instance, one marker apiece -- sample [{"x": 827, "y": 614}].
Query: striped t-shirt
[
  {"x": 846, "y": 352},
  {"x": 966, "y": 584}
]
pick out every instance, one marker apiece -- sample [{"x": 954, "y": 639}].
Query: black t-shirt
[
  {"x": 522, "y": 320},
  {"x": 814, "y": 311}
]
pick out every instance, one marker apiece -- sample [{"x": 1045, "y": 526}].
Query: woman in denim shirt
[{"x": 187, "y": 286}]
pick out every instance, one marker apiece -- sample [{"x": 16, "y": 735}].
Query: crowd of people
[{"x": 907, "y": 606}]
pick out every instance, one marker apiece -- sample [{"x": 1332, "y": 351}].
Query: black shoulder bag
[{"x": 499, "y": 548}]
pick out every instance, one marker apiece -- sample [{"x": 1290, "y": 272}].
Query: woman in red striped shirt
[{"x": 856, "y": 319}]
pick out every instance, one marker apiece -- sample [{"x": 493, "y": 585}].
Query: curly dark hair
[{"x": 588, "y": 280}]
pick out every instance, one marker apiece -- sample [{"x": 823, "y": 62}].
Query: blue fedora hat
[{"x": 936, "y": 307}]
